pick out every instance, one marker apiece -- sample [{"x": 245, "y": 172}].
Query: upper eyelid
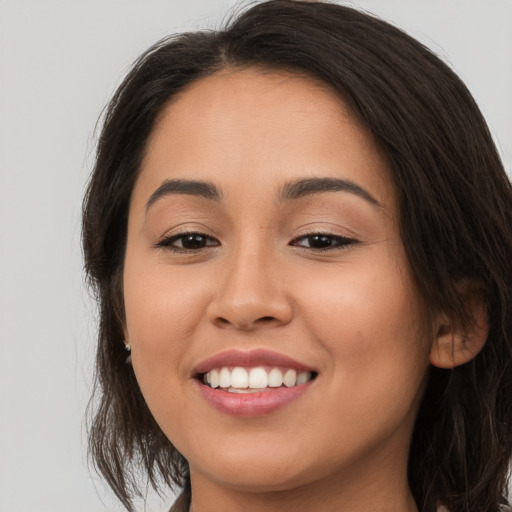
[
  {"x": 166, "y": 240},
  {"x": 330, "y": 235},
  {"x": 308, "y": 231},
  {"x": 178, "y": 231},
  {"x": 188, "y": 232}
]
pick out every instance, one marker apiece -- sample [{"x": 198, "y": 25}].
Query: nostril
[
  {"x": 244, "y": 324},
  {"x": 265, "y": 319}
]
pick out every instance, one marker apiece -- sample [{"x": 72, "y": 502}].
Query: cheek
[
  {"x": 370, "y": 330},
  {"x": 161, "y": 306},
  {"x": 371, "y": 324},
  {"x": 162, "y": 314}
]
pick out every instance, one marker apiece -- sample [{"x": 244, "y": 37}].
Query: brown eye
[
  {"x": 322, "y": 242},
  {"x": 194, "y": 241},
  {"x": 188, "y": 242}
]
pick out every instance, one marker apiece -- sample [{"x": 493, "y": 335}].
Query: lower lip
[{"x": 248, "y": 405}]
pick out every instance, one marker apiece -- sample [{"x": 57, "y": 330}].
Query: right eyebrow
[{"x": 188, "y": 187}]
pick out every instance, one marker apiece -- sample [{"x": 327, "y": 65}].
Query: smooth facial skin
[{"x": 344, "y": 306}]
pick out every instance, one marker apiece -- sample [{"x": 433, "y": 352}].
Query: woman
[{"x": 300, "y": 230}]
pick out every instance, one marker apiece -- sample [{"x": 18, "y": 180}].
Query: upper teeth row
[{"x": 254, "y": 378}]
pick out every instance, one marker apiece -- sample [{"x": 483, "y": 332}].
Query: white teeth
[
  {"x": 243, "y": 380},
  {"x": 275, "y": 378},
  {"x": 214, "y": 379},
  {"x": 290, "y": 378},
  {"x": 239, "y": 378},
  {"x": 258, "y": 378},
  {"x": 224, "y": 378},
  {"x": 303, "y": 377}
]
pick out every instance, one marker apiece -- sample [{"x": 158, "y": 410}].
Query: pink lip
[
  {"x": 250, "y": 404},
  {"x": 258, "y": 357}
]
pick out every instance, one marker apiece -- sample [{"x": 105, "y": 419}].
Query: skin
[{"x": 352, "y": 312}]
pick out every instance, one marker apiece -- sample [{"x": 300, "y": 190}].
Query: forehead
[{"x": 252, "y": 125}]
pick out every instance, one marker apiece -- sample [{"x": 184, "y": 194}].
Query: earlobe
[{"x": 457, "y": 344}]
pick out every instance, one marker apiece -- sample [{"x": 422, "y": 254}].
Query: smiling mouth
[{"x": 254, "y": 379}]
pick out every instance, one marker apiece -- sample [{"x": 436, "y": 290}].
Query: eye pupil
[
  {"x": 319, "y": 241},
  {"x": 194, "y": 241}
]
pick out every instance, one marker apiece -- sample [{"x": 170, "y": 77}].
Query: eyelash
[
  {"x": 167, "y": 243},
  {"x": 337, "y": 242}
]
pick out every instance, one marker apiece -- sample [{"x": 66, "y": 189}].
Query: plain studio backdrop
[{"x": 60, "y": 61}]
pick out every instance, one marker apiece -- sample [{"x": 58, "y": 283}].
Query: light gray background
[{"x": 60, "y": 60}]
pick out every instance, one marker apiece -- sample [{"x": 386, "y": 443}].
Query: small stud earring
[{"x": 128, "y": 348}]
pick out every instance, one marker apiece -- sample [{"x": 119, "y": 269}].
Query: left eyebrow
[
  {"x": 309, "y": 186},
  {"x": 188, "y": 187}
]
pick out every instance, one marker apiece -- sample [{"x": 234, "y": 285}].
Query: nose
[{"x": 251, "y": 295}]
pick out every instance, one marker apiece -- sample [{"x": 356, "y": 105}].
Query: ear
[{"x": 457, "y": 344}]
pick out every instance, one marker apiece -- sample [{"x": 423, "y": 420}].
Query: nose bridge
[{"x": 250, "y": 293}]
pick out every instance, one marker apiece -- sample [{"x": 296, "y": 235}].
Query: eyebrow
[
  {"x": 188, "y": 187},
  {"x": 309, "y": 186},
  {"x": 293, "y": 190}
]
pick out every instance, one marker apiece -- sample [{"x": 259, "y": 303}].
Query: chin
[
  {"x": 260, "y": 478},
  {"x": 261, "y": 468}
]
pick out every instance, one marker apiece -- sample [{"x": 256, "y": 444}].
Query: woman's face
[{"x": 263, "y": 245}]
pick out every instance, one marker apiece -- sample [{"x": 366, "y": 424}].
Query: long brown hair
[{"x": 455, "y": 204}]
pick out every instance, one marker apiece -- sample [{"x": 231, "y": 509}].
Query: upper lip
[{"x": 252, "y": 358}]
